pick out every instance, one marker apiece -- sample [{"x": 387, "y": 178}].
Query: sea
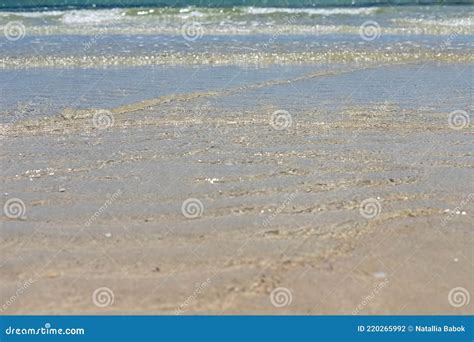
[{"x": 57, "y": 54}]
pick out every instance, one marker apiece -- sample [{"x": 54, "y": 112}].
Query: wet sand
[{"x": 278, "y": 204}]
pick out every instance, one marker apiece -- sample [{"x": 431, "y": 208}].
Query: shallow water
[
  {"x": 37, "y": 93},
  {"x": 45, "y": 92}
]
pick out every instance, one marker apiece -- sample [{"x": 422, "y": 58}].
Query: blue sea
[
  {"x": 50, "y": 48},
  {"x": 15, "y": 4}
]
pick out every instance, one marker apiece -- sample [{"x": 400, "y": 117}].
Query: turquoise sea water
[{"x": 25, "y": 4}]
